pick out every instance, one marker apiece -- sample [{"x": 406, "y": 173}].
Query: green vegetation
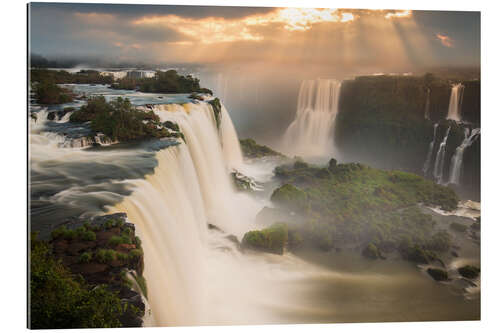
[
  {"x": 468, "y": 271},
  {"x": 371, "y": 251},
  {"x": 437, "y": 274},
  {"x": 121, "y": 121},
  {"x": 272, "y": 239},
  {"x": 116, "y": 240},
  {"x": 163, "y": 82},
  {"x": 47, "y": 92},
  {"x": 58, "y": 299},
  {"x": 381, "y": 118},
  {"x": 105, "y": 256},
  {"x": 251, "y": 149},
  {"x": 85, "y": 257},
  {"x": 354, "y": 203},
  {"x": 216, "y": 106},
  {"x": 290, "y": 196},
  {"x": 135, "y": 253},
  {"x": 69, "y": 234},
  {"x": 61, "y": 76}
]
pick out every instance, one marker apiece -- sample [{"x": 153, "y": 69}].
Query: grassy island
[
  {"x": 168, "y": 82},
  {"x": 47, "y": 92},
  {"x": 376, "y": 210},
  {"x": 251, "y": 149},
  {"x": 121, "y": 121}
]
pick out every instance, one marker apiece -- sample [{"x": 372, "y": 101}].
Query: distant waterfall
[
  {"x": 455, "y": 106},
  {"x": 427, "y": 104},
  {"x": 456, "y": 167},
  {"x": 439, "y": 164},
  {"x": 427, "y": 162},
  {"x": 311, "y": 132}
]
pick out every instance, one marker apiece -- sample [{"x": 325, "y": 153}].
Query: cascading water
[
  {"x": 186, "y": 270},
  {"x": 455, "y": 106},
  {"x": 427, "y": 162},
  {"x": 311, "y": 132},
  {"x": 439, "y": 164},
  {"x": 456, "y": 167}
]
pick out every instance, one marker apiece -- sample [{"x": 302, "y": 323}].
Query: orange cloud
[
  {"x": 218, "y": 30},
  {"x": 398, "y": 14},
  {"x": 445, "y": 40}
]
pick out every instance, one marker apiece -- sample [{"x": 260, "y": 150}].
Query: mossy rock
[
  {"x": 469, "y": 272},
  {"x": 289, "y": 195},
  {"x": 272, "y": 239},
  {"x": 437, "y": 274},
  {"x": 371, "y": 251}
]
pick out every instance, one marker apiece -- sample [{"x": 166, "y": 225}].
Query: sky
[{"x": 240, "y": 35}]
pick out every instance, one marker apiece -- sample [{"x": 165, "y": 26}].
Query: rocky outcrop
[
  {"x": 105, "y": 250},
  {"x": 469, "y": 272},
  {"x": 273, "y": 239}
]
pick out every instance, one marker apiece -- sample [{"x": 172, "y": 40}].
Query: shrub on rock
[{"x": 272, "y": 239}]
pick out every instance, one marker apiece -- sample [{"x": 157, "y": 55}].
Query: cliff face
[
  {"x": 382, "y": 121},
  {"x": 105, "y": 251}
]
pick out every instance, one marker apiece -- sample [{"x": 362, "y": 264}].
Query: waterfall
[
  {"x": 455, "y": 106},
  {"x": 427, "y": 162},
  {"x": 196, "y": 276},
  {"x": 427, "y": 104},
  {"x": 439, "y": 163},
  {"x": 311, "y": 132},
  {"x": 456, "y": 167},
  {"x": 214, "y": 152}
]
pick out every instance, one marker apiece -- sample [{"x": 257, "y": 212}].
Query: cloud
[
  {"x": 394, "y": 14},
  {"x": 445, "y": 40},
  {"x": 339, "y": 37}
]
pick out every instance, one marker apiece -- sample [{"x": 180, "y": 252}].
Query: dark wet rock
[
  {"x": 437, "y": 274},
  {"x": 51, "y": 115},
  {"x": 233, "y": 239},
  {"x": 469, "y": 271},
  {"x": 213, "y": 227}
]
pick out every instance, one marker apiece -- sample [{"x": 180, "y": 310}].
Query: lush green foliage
[
  {"x": 47, "y": 92},
  {"x": 163, "y": 82},
  {"x": 105, "y": 256},
  {"x": 355, "y": 203},
  {"x": 61, "y": 76},
  {"x": 251, "y": 149},
  {"x": 120, "y": 120},
  {"x": 381, "y": 118},
  {"x": 272, "y": 239},
  {"x": 81, "y": 233},
  {"x": 60, "y": 300},
  {"x": 290, "y": 196}
]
